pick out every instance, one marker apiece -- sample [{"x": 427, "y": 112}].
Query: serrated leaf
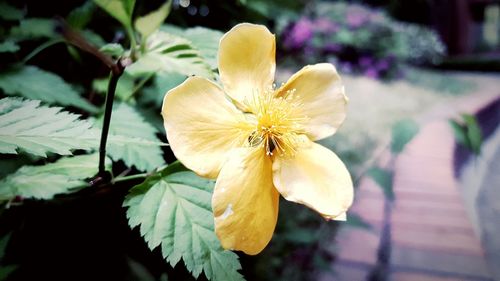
[
  {"x": 9, "y": 12},
  {"x": 46, "y": 181},
  {"x": 127, "y": 122},
  {"x": 402, "y": 133},
  {"x": 34, "y": 83},
  {"x": 34, "y": 28},
  {"x": 39, "y": 129},
  {"x": 204, "y": 39},
  {"x": 119, "y": 9},
  {"x": 384, "y": 180},
  {"x": 149, "y": 23},
  {"x": 174, "y": 211},
  {"x": 8, "y": 47},
  {"x": 170, "y": 53},
  {"x": 80, "y": 16}
]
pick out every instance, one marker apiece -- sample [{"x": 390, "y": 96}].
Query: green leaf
[
  {"x": 384, "y": 179},
  {"x": 170, "y": 53},
  {"x": 126, "y": 121},
  {"x": 113, "y": 49},
  {"x": 460, "y": 132},
  {"x": 45, "y": 181},
  {"x": 39, "y": 129},
  {"x": 6, "y": 270},
  {"x": 119, "y": 9},
  {"x": 124, "y": 87},
  {"x": 34, "y": 83},
  {"x": 163, "y": 82},
  {"x": 79, "y": 17},
  {"x": 173, "y": 210},
  {"x": 402, "y": 133},
  {"x": 8, "y": 47},
  {"x": 34, "y": 28},
  {"x": 204, "y": 39},
  {"x": 10, "y": 13},
  {"x": 474, "y": 134},
  {"x": 149, "y": 23}
]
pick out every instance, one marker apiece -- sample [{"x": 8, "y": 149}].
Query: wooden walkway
[{"x": 432, "y": 238}]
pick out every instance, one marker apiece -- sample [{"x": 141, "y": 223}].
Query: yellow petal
[
  {"x": 247, "y": 60},
  {"x": 202, "y": 125},
  {"x": 319, "y": 91},
  {"x": 245, "y": 202},
  {"x": 317, "y": 178}
]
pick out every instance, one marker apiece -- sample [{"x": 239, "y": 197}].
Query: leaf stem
[
  {"x": 41, "y": 48},
  {"x": 131, "y": 177}
]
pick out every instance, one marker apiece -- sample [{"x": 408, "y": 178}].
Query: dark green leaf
[
  {"x": 34, "y": 83},
  {"x": 119, "y": 9},
  {"x": 44, "y": 182},
  {"x": 80, "y": 16},
  {"x": 9, "y": 12},
  {"x": 402, "y": 133},
  {"x": 34, "y": 28},
  {"x": 460, "y": 132},
  {"x": 384, "y": 179},
  {"x": 124, "y": 88},
  {"x": 173, "y": 210},
  {"x": 8, "y": 47},
  {"x": 354, "y": 220}
]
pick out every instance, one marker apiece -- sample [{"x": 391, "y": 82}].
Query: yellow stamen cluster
[{"x": 278, "y": 123}]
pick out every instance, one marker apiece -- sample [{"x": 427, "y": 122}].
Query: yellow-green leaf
[
  {"x": 119, "y": 9},
  {"x": 149, "y": 23}
]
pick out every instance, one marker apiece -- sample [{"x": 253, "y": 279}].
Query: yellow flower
[{"x": 257, "y": 140}]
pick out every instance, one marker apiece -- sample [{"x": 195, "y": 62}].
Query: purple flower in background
[
  {"x": 383, "y": 64},
  {"x": 372, "y": 73},
  {"x": 366, "y": 61},
  {"x": 332, "y": 48},
  {"x": 356, "y": 16},
  {"x": 346, "y": 67},
  {"x": 300, "y": 33},
  {"x": 325, "y": 25}
]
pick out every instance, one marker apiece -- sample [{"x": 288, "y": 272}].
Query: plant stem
[
  {"x": 41, "y": 48},
  {"x": 131, "y": 177},
  {"x": 113, "y": 80}
]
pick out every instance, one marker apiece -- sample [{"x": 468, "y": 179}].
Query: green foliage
[
  {"x": 402, "y": 133},
  {"x": 39, "y": 129},
  {"x": 149, "y": 23},
  {"x": 468, "y": 133},
  {"x": 113, "y": 49},
  {"x": 204, "y": 39},
  {"x": 45, "y": 181},
  {"x": 170, "y": 53},
  {"x": 34, "y": 83},
  {"x": 8, "y": 47},
  {"x": 34, "y": 28},
  {"x": 124, "y": 88},
  {"x": 162, "y": 83},
  {"x": 121, "y": 10},
  {"x": 384, "y": 179},
  {"x": 126, "y": 121},
  {"x": 173, "y": 210},
  {"x": 354, "y": 220},
  {"x": 80, "y": 16},
  {"x": 5, "y": 270},
  {"x": 10, "y": 13}
]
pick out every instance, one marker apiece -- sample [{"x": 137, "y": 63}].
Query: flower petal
[
  {"x": 320, "y": 93},
  {"x": 245, "y": 202},
  {"x": 317, "y": 178},
  {"x": 247, "y": 60},
  {"x": 202, "y": 125}
]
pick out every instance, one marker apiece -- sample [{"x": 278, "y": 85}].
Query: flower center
[{"x": 279, "y": 123}]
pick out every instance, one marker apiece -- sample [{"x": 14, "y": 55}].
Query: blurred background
[{"x": 421, "y": 140}]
